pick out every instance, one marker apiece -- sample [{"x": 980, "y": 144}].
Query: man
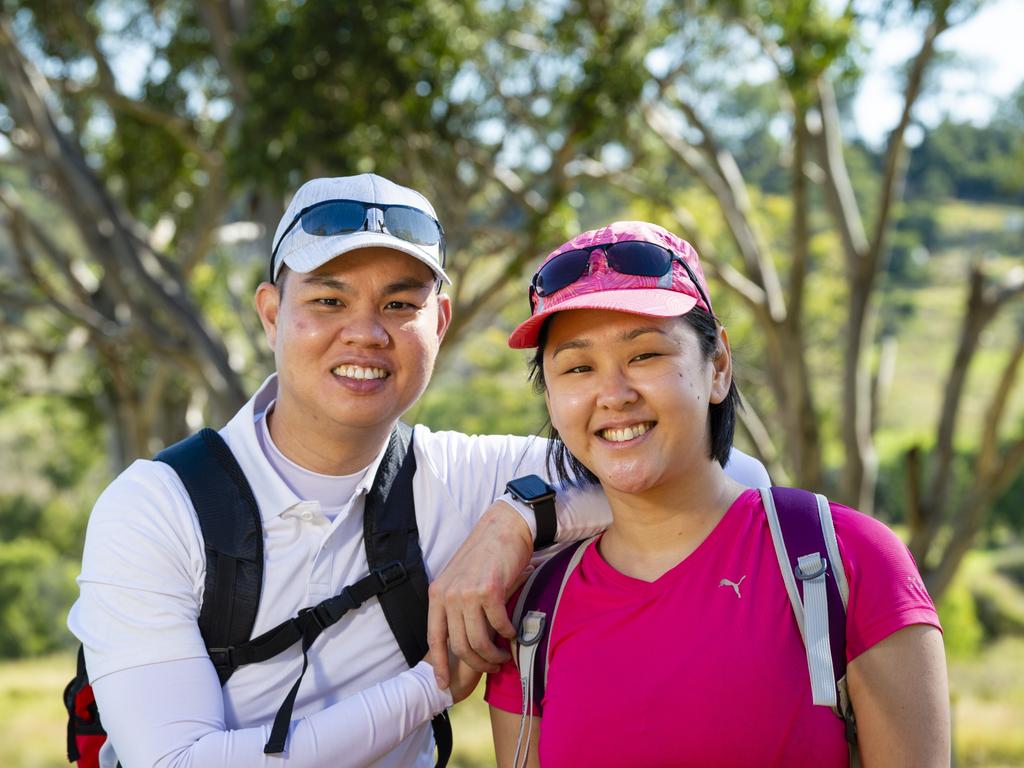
[{"x": 353, "y": 313}]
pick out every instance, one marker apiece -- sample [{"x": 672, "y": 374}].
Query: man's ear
[
  {"x": 268, "y": 306},
  {"x": 722, "y": 362},
  {"x": 444, "y": 315}
]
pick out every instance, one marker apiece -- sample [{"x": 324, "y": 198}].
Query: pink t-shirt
[{"x": 684, "y": 671}]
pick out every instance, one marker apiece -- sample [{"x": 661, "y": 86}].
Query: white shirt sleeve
[
  {"x": 476, "y": 468},
  {"x": 171, "y": 715},
  {"x": 746, "y": 470}
]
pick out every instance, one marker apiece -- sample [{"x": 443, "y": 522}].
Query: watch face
[{"x": 529, "y": 487}]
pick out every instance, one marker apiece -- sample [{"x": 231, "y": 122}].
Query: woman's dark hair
[{"x": 721, "y": 416}]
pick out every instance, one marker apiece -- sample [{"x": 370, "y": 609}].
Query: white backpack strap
[
  {"x": 843, "y": 707},
  {"x": 533, "y": 624},
  {"x": 811, "y": 569},
  {"x": 531, "y": 629},
  {"x": 828, "y": 531}
]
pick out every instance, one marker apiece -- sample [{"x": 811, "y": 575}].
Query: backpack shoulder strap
[
  {"x": 534, "y": 618},
  {"x": 392, "y": 541},
  {"x": 805, "y": 543},
  {"x": 232, "y": 529}
]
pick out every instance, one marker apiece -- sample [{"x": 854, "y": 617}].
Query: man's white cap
[{"x": 304, "y": 252}]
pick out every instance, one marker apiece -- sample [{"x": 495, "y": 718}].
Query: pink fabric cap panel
[{"x": 705, "y": 666}]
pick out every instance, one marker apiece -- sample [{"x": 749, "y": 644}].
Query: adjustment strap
[
  {"x": 279, "y": 732},
  {"x": 323, "y": 614},
  {"x": 531, "y": 630},
  {"x": 311, "y": 622},
  {"x": 811, "y": 570}
]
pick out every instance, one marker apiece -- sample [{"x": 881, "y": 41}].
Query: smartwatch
[{"x": 532, "y": 490}]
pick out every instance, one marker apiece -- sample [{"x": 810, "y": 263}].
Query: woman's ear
[{"x": 722, "y": 363}]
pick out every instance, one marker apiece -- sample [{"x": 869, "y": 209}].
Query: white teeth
[
  {"x": 628, "y": 433},
  {"x": 359, "y": 372}
]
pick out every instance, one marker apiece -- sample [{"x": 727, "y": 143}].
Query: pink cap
[{"x": 604, "y": 288}]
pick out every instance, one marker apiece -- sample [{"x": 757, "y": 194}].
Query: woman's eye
[
  {"x": 645, "y": 356},
  {"x": 579, "y": 369}
]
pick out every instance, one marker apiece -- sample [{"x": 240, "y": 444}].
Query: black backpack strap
[
  {"x": 391, "y": 535},
  {"x": 397, "y": 579},
  {"x": 233, "y": 534}
]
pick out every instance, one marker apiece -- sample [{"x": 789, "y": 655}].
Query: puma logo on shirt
[{"x": 734, "y": 584}]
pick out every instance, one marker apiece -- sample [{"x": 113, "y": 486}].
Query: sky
[{"x": 992, "y": 44}]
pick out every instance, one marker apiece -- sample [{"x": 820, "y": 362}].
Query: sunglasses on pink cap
[{"x": 627, "y": 257}]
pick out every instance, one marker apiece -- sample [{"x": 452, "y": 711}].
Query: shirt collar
[{"x": 273, "y": 495}]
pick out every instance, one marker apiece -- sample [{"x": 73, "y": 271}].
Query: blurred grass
[
  {"x": 32, "y": 720},
  {"x": 987, "y": 703},
  {"x": 988, "y": 706}
]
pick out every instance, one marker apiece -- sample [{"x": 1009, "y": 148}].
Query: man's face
[{"x": 354, "y": 342}]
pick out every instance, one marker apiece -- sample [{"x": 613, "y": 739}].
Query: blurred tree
[
  {"x": 123, "y": 188},
  {"x": 149, "y": 146}
]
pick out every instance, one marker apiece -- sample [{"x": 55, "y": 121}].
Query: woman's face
[{"x": 629, "y": 395}]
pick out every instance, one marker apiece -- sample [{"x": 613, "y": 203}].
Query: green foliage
[
  {"x": 483, "y": 390},
  {"x": 962, "y": 633},
  {"x": 36, "y": 587},
  {"x": 352, "y": 86},
  {"x": 971, "y": 162}
]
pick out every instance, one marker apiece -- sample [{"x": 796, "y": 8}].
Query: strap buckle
[
  {"x": 531, "y": 628},
  {"x": 805, "y": 571},
  {"x": 222, "y": 658},
  {"x": 392, "y": 574},
  {"x": 317, "y": 612}
]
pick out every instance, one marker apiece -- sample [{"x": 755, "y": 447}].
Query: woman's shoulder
[
  {"x": 886, "y": 589},
  {"x": 865, "y": 535}
]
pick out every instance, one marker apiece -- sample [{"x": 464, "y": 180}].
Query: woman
[{"x": 652, "y": 660}]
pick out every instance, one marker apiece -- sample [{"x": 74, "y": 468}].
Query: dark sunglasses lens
[
  {"x": 335, "y": 218},
  {"x": 412, "y": 225},
  {"x": 563, "y": 269},
  {"x": 636, "y": 258}
]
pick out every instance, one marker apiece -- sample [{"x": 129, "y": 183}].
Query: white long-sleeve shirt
[{"x": 142, "y": 582}]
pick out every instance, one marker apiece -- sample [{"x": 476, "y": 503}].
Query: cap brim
[
  {"x": 316, "y": 252},
  {"x": 651, "y": 302}
]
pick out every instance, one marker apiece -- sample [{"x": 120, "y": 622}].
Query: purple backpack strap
[
  {"x": 541, "y": 594},
  {"x": 802, "y": 533}
]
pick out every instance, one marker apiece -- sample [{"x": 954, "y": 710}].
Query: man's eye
[
  {"x": 399, "y": 305},
  {"x": 579, "y": 369},
  {"x": 645, "y": 356},
  {"x": 328, "y": 301}
]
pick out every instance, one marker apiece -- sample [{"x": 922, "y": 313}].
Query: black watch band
[{"x": 532, "y": 490}]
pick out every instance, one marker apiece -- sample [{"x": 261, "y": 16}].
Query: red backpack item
[{"x": 85, "y": 731}]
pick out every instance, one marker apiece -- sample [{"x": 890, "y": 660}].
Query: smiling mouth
[
  {"x": 623, "y": 434},
  {"x": 359, "y": 372}
]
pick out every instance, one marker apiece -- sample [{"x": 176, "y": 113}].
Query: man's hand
[{"x": 467, "y": 599}]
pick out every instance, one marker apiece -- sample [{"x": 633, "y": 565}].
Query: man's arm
[
  {"x": 184, "y": 725},
  {"x": 157, "y": 690},
  {"x": 467, "y": 599}
]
